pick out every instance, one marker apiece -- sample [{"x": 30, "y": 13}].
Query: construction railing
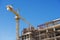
[{"x": 49, "y": 24}]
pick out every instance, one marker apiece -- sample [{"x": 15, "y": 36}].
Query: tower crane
[
  {"x": 17, "y": 14},
  {"x": 17, "y": 17}
]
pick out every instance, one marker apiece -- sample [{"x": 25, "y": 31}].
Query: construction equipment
[{"x": 17, "y": 17}]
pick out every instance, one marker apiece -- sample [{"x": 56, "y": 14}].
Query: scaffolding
[{"x": 47, "y": 31}]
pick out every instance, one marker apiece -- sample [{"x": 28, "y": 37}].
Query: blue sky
[{"x": 35, "y": 11}]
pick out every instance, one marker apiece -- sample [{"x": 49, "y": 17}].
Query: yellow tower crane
[{"x": 17, "y": 17}]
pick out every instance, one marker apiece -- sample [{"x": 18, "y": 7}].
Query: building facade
[{"x": 47, "y": 31}]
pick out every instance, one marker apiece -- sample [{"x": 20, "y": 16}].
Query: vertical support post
[
  {"x": 47, "y": 33},
  {"x": 39, "y": 36},
  {"x": 54, "y": 33},
  {"x": 29, "y": 37},
  {"x": 17, "y": 28}
]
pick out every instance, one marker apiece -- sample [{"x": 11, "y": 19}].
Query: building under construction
[{"x": 47, "y": 31}]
